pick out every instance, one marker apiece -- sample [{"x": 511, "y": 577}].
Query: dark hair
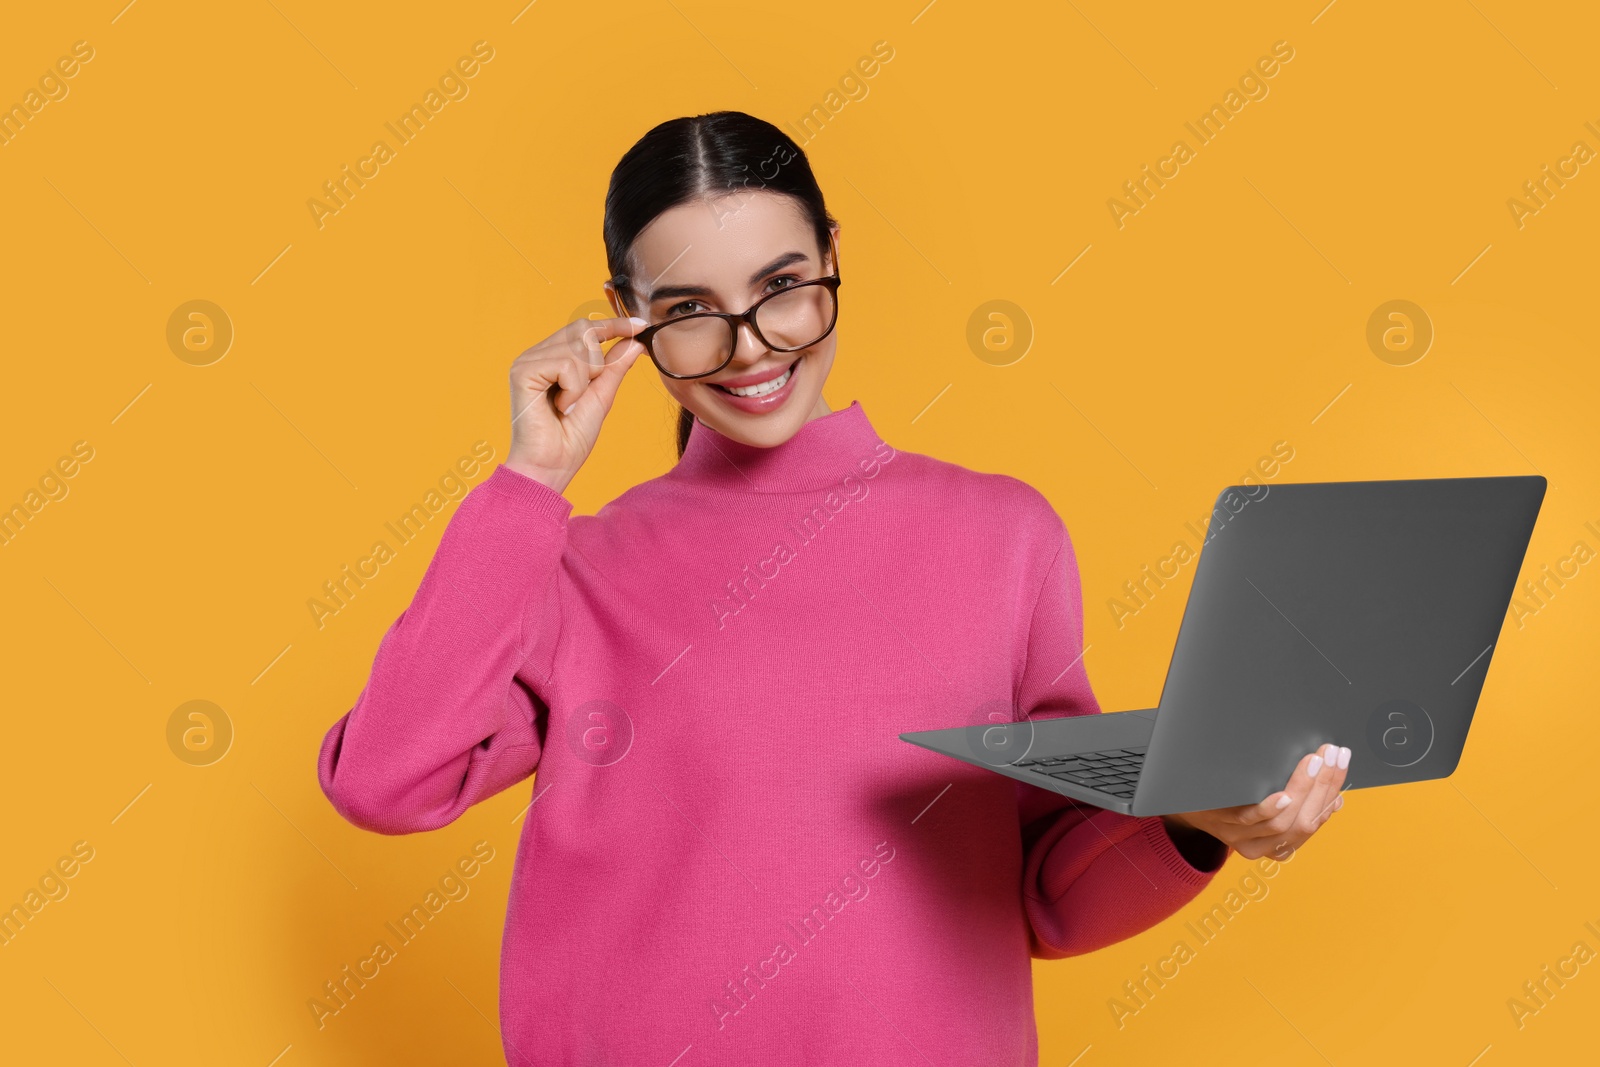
[{"x": 696, "y": 156}]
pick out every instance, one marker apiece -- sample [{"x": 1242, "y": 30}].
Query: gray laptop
[{"x": 1355, "y": 613}]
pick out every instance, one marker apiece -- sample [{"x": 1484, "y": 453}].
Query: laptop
[{"x": 1361, "y": 613}]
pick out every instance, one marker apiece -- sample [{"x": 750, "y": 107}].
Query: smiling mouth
[{"x": 771, "y": 385}]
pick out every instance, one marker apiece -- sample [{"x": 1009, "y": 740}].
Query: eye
[
  {"x": 792, "y": 279},
  {"x": 687, "y": 307}
]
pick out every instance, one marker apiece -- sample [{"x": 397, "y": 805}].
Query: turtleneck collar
[{"x": 819, "y": 455}]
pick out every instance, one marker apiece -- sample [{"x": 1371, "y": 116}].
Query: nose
[{"x": 748, "y": 349}]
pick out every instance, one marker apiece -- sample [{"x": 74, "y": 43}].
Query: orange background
[{"x": 1229, "y": 313}]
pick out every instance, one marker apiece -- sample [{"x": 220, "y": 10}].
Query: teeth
[{"x": 764, "y": 388}]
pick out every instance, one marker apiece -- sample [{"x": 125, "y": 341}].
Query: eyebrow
[{"x": 700, "y": 290}]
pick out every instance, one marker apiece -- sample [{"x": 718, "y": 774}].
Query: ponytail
[{"x": 685, "y": 423}]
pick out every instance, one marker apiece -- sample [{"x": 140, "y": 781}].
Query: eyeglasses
[{"x": 787, "y": 320}]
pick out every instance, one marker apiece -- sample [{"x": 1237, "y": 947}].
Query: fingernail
[
  {"x": 1283, "y": 801},
  {"x": 1339, "y": 803},
  {"x": 1314, "y": 766},
  {"x": 637, "y": 321},
  {"x": 1330, "y": 754},
  {"x": 1344, "y": 758}
]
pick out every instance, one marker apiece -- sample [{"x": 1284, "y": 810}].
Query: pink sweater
[{"x": 731, "y": 858}]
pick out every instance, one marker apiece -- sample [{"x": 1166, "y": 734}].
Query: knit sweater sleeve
[
  {"x": 444, "y": 721},
  {"x": 1091, "y": 877}
]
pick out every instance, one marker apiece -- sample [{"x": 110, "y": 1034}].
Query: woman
[{"x": 730, "y": 856}]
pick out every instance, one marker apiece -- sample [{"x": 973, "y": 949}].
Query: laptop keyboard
[{"x": 1114, "y": 771}]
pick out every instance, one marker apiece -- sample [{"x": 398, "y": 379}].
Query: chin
[{"x": 764, "y": 431}]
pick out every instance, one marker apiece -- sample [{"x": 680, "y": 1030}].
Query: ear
[
  {"x": 834, "y": 267},
  {"x": 616, "y": 300}
]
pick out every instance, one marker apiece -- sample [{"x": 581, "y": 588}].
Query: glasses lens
[
  {"x": 692, "y": 346},
  {"x": 788, "y": 320},
  {"x": 796, "y": 317}
]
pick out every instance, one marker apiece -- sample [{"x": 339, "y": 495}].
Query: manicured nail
[
  {"x": 637, "y": 321},
  {"x": 1283, "y": 801},
  {"x": 1314, "y": 766},
  {"x": 1344, "y": 758},
  {"x": 1339, "y": 803}
]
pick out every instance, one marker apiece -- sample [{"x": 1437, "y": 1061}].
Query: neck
[{"x": 826, "y": 448}]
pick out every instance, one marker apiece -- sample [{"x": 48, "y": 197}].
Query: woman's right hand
[{"x": 561, "y": 390}]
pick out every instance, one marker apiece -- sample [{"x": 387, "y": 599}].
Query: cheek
[
  {"x": 677, "y": 390},
  {"x": 820, "y": 358}
]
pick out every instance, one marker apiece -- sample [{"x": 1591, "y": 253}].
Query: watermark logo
[
  {"x": 199, "y": 733},
  {"x": 593, "y": 310},
  {"x": 1399, "y": 333},
  {"x": 199, "y": 333},
  {"x": 599, "y": 733},
  {"x": 994, "y": 735},
  {"x": 999, "y": 332},
  {"x": 1400, "y": 732}
]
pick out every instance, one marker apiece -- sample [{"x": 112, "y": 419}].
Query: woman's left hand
[{"x": 1284, "y": 820}]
